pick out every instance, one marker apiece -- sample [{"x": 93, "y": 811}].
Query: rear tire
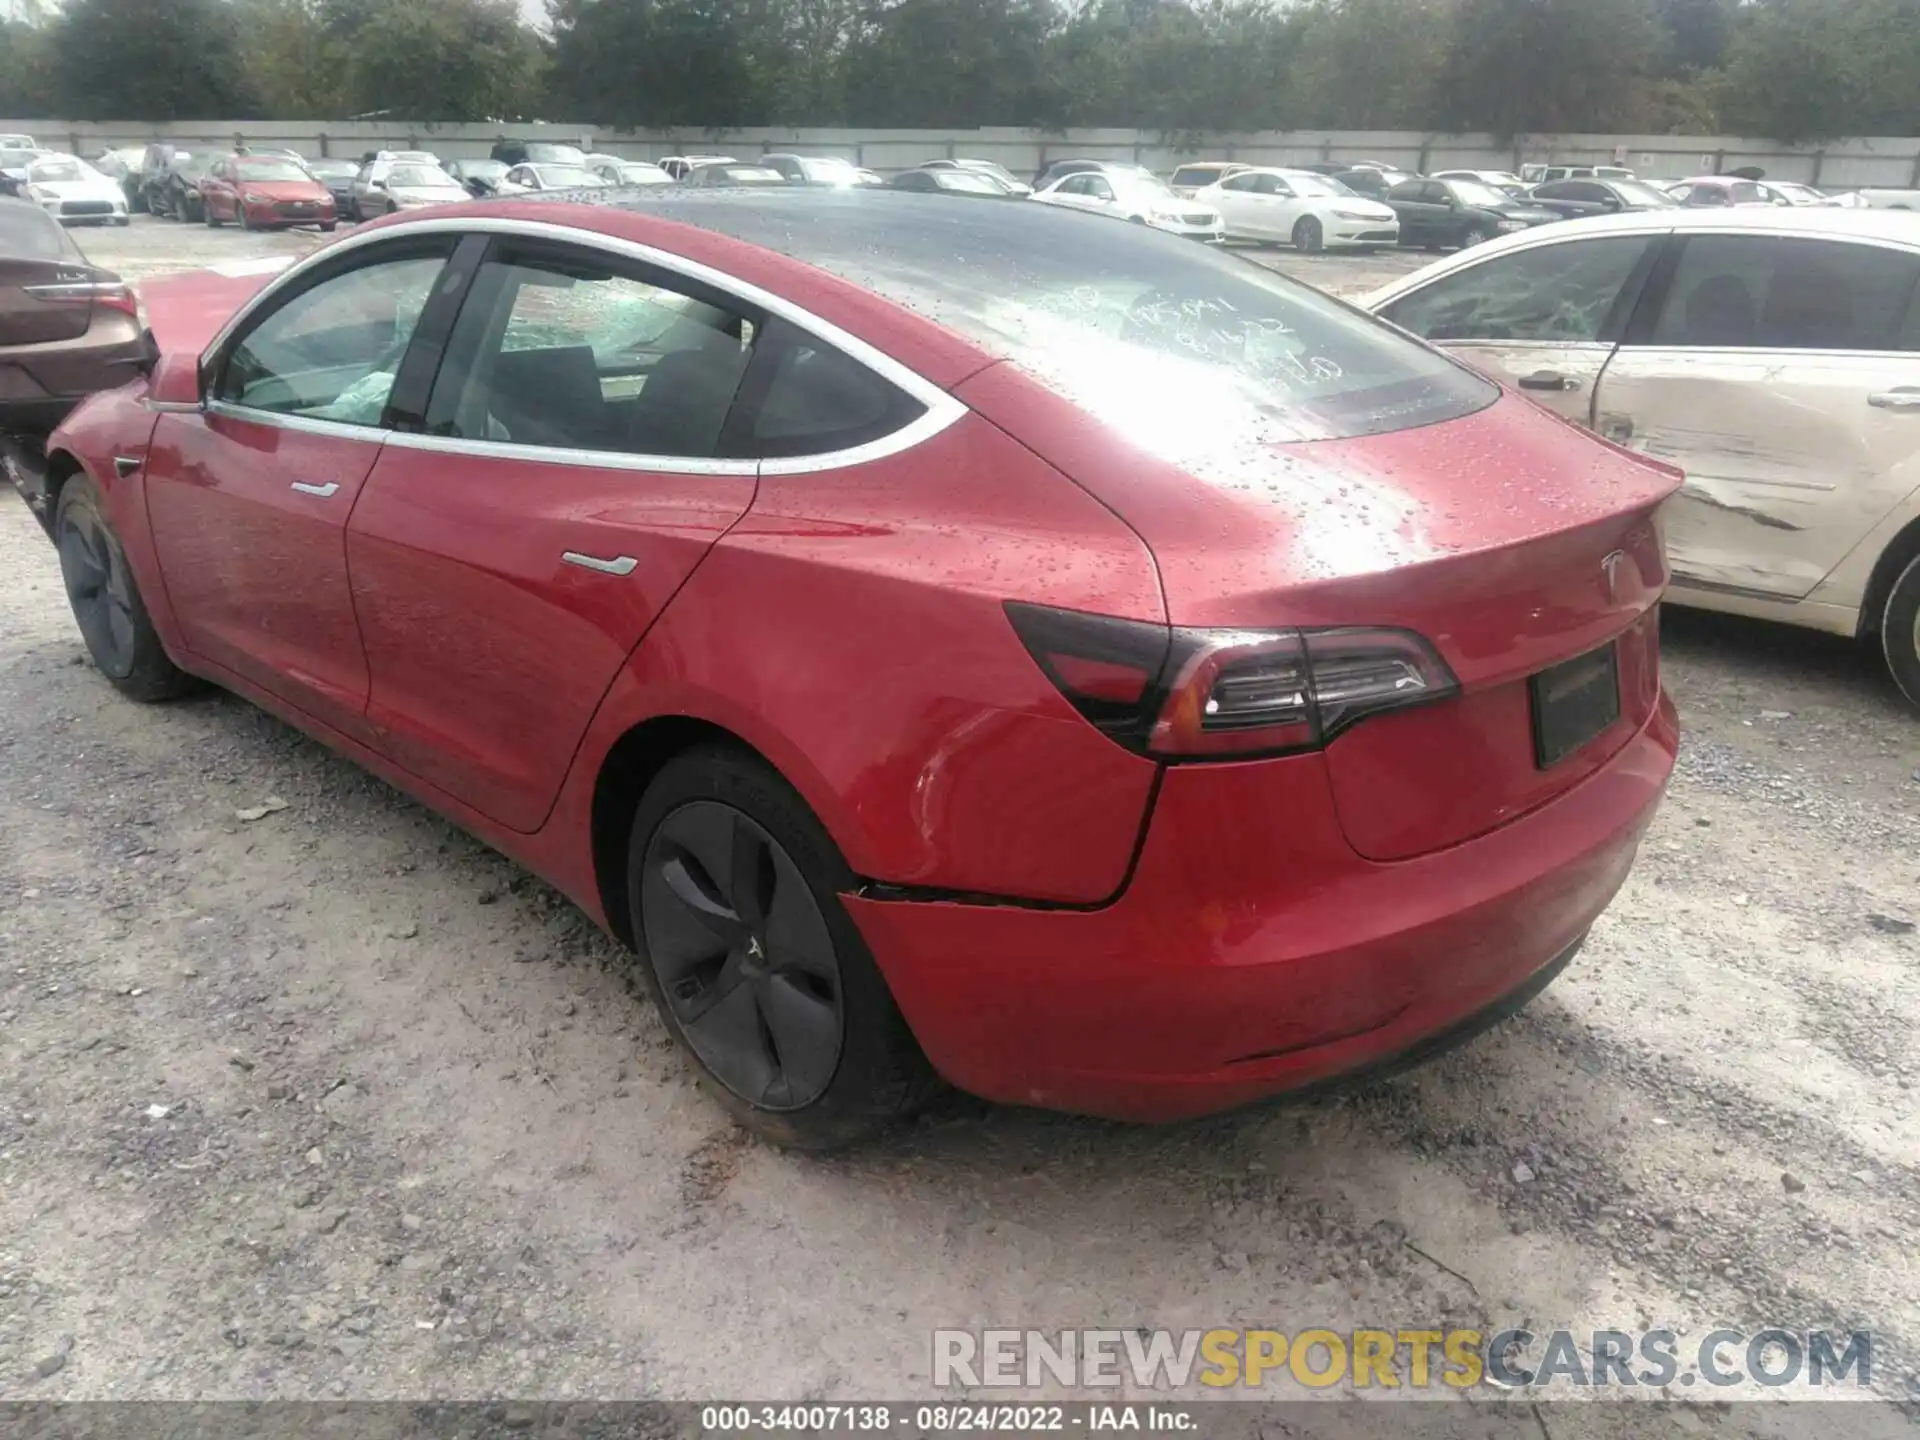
[
  {"x": 802, "y": 1044},
  {"x": 328, "y": 227},
  {"x": 1308, "y": 237},
  {"x": 106, "y": 601},
  {"x": 213, "y": 221},
  {"x": 1900, "y": 632}
]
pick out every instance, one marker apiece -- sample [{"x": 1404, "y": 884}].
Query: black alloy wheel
[
  {"x": 99, "y": 589},
  {"x": 743, "y": 955}
]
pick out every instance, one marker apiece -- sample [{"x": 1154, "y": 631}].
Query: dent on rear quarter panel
[{"x": 851, "y": 628}]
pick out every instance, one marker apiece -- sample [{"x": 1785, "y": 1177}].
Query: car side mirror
[
  {"x": 1612, "y": 202},
  {"x": 172, "y": 379},
  {"x": 378, "y": 184}
]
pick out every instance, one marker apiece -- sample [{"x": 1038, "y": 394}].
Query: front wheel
[
  {"x": 734, "y": 888},
  {"x": 213, "y": 221},
  {"x": 106, "y": 602},
  {"x": 1900, "y": 631},
  {"x": 1477, "y": 235},
  {"x": 1308, "y": 237}
]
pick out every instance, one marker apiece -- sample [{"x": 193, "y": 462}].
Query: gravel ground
[{"x": 339, "y": 1103}]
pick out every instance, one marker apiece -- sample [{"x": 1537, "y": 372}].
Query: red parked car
[
  {"x": 265, "y": 192},
  {"x": 1002, "y": 645}
]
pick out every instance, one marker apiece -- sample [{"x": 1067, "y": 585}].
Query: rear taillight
[
  {"x": 1186, "y": 694},
  {"x": 110, "y": 293}
]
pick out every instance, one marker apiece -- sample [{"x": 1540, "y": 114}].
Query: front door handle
[
  {"x": 323, "y": 491},
  {"x": 1549, "y": 380},
  {"x": 1904, "y": 397},
  {"x": 618, "y": 565}
]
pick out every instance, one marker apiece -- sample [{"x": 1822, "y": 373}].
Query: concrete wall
[{"x": 1839, "y": 164}]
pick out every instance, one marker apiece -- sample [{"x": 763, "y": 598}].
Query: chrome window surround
[{"x": 941, "y": 411}]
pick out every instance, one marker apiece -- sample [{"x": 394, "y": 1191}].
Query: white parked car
[
  {"x": 1772, "y": 353},
  {"x": 535, "y": 175},
  {"x": 1133, "y": 195},
  {"x": 71, "y": 190},
  {"x": 1308, "y": 211},
  {"x": 681, "y": 166},
  {"x": 618, "y": 171}
]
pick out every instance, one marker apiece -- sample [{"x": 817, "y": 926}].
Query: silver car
[{"x": 385, "y": 187}]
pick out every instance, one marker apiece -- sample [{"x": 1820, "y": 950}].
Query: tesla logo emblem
[
  {"x": 1609, "y": 568},
  {"x": 753, "y": 947}
]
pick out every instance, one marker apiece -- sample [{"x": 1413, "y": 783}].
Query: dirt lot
[{"x": 338, "y": 1103}]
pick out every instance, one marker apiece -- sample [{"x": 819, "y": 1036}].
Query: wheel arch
[
  {"x": 630, "y": 765},
  {"x": 1898, "y": 553}
]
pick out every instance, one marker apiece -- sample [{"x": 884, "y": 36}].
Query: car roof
[
  {"x": 1887, "y": 226},
  {"x": 865, "y": 233}
]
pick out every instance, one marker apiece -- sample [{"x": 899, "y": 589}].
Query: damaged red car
[{"x": 983, "y": 643}]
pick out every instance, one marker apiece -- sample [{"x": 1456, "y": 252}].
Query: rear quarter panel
[
  {"x": 118, "y": 423},
  {"x": 851, "y": 629}
]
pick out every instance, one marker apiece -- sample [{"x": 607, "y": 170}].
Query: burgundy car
[
  {"x": 984, "y": 642},
  {"x": 265, "y": 192}
]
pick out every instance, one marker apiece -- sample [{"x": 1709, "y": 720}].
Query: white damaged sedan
[
  {"x": 1130, "y": 194},
  {"x": 71, "y": 190},
  {"x": 1305, "y": 210}
]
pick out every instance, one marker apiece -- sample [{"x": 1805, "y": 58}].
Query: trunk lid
[{"x": 1507, "y": 538}]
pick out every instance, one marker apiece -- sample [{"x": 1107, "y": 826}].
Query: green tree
[
  {"x": 1547, "y": 66},
  {"x": 1370, "y": 64},
  {"x": 296, "y": 65},
  {"x": 139, "y": 60},
  {"x": 453, "y": 60},
  {"x": 26, "y": 69},
  {"x": 949, "y": 62}
]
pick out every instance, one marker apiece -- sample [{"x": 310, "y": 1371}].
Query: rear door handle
[
  {"x": 618, "y": 565},
  {"x": 1548, "y": 380},
  {"x": 323, "y": 491},
  {"x": 125, "y": 465},
  {"x": 1904, "y": 397}
]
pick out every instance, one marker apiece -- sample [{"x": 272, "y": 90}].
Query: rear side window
[
  {"x": 1787, "y": 294},
  {"x": 1558, "y": 293},
  {"x": 814, "y": 400}
]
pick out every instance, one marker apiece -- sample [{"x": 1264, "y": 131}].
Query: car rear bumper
[{"x": 1253, "y": 952}]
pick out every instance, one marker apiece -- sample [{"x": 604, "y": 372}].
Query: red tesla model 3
[{"x": 980, "y": 641}]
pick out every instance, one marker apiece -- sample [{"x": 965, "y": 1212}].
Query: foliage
[{"x": 1793, "y": 69}]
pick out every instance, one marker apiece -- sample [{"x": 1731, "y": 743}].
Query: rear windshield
[
  {"x": 28, "y": 232},
  {"x": 1183, "y": 347}
]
